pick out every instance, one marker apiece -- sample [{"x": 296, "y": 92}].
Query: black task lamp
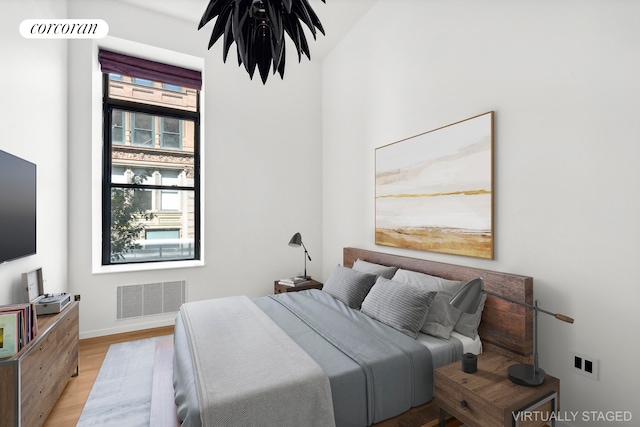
[
  {"x": 296, "y": 241},
  {"x": 467, "y": 300}
]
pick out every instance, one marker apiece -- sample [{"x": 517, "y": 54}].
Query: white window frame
[{"x": 154, "y": 54}]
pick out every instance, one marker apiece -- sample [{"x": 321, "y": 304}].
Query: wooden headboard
[{"x": 506, "y": 327}]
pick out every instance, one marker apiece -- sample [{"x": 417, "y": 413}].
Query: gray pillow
[
  {"x": 442, "y": 317},
  {"x": 377, "y": 269},
  {"x": 431, "y": 283},
  {"x": 349, "y": 286},
  {"x": 468, "y": 323},
  {"x": 401, "y": 306}
]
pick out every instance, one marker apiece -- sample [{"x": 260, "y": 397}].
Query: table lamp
[
  {"x": 296, "y": 241},
  {"x": 467, "y": 300}
]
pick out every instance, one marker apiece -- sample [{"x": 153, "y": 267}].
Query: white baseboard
[{"x": 127, "y": 328}]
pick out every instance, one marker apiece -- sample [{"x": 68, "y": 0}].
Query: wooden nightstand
[
  {"x": 312, "y": 284},
  {"x": 487, "y": 398}
]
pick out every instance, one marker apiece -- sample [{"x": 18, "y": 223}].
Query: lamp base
[{"x": 525, "y": 375}]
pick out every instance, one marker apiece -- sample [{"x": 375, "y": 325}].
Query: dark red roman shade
[{"x": 117, "y": 63}]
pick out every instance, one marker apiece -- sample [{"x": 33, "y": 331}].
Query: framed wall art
[{"x": 434, "y": 191}]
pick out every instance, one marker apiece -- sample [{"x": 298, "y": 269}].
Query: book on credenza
[
  {"x": 9, "y": 334},
  {"x": 293, "y": 281},
  {"x": 27, "y": 322}
]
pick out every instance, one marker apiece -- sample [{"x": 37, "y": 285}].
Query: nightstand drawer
[{"x": 466, "y": 407}]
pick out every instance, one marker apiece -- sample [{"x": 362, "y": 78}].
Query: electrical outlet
[{"x": 585, "y": 365}]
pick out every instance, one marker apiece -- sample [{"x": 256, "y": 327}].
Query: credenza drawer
[
  {"x": 37, "y": 404},
  {"x": 67, "y": 331},
  {"x": 39, "y": 361}
]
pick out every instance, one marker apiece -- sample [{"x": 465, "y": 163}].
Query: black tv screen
[{"x": 17, "y": 207}]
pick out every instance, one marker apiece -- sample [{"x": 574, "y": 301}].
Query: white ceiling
[{"x": 337, "y": 17}]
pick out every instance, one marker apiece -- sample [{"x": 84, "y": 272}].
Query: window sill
[{"x": 127, "y": 268}]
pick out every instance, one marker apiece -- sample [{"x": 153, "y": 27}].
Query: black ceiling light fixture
[{"x": 258, "y": 28}]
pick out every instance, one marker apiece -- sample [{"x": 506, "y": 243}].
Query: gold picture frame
[{"x": 434, "y": 191}]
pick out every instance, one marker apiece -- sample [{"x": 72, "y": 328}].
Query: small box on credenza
[{"x": 32, "y": 285}]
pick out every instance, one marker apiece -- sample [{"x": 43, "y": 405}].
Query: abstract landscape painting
[{"x": 434, "y": 191}]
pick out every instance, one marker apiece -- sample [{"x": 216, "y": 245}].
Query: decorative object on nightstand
[
  {"x": 279, "y": 287},
  {"x": 469, "y": 363},
  {"x": 293, "y": 281},
  {"x": 467, "y": 300},
  {"x": 296, "y": 242}
]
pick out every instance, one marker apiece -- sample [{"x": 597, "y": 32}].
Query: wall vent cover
[{"x": 150, "y": 299}]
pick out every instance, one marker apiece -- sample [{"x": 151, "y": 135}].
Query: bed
[{"x": 337, "y": 356}]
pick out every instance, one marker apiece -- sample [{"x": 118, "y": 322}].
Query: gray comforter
[
  {"x": 237, "y": 385},
  {"x": 375, "y": 372}
]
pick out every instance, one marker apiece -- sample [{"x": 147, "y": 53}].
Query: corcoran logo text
[{"x": 64, "y": 28}]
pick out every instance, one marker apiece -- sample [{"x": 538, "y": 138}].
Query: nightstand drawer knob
[{"x": 463, "y": 403}]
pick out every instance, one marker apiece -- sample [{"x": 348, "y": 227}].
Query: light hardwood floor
[{"x": 92, "y": 353}]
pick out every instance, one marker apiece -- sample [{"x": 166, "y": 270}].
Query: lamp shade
[
  {"x": 468, "y": 298},
  {"x": 296, "y": 240}
]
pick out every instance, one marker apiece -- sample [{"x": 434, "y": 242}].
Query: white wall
[
  {"x": 262, "y": 174},
  {"x": 33, "y": 118},
  {"x": 562, "y": 78}
]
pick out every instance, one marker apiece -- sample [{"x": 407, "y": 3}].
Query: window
[
  {"x": 171, "y": 134},
  {"x": 117, "y": 127},
  {"x": 163, "y": 234},
  {"x": 172, "y": 87},
  {"x": 151, "y": 164},
  {"x": 170, "y": 199},
  {"x": 142, "y": 129},
  {"x": 143, "y": 82}
]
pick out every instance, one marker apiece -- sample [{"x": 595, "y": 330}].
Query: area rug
[{"x": 121, "y": 394}]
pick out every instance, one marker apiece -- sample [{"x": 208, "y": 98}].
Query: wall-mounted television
[{"x": 17, "y": 207}]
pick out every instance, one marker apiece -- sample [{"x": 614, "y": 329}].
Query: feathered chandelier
[{"x": 258, "y": 28}]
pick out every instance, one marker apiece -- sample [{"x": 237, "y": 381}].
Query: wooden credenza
[{"x": 31, "y": 381}]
